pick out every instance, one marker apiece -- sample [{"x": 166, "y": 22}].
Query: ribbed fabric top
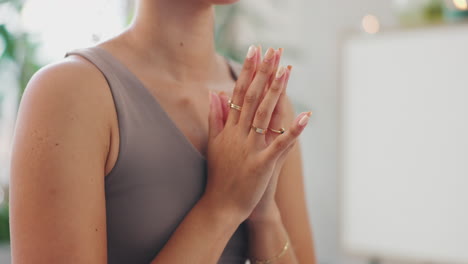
[{"x": 158, "y": 176}]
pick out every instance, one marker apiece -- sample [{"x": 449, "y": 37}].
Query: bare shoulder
[
  {"x": 69, "y": 80},
  {"x": 57, "y": 166},
  {"x": 65, "y": 104},
  {"x": 72, "y": 86}
]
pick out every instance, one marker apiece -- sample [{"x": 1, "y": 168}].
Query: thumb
[
  {"x": 216, "y": 116},
  {"x": 224, "y": 105}
]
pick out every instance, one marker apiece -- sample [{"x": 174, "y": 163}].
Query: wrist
[
  {"x": 269, "y": 214},
  {"x": 222, "y": 214}
]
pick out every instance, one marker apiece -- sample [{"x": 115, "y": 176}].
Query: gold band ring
[
  {"x": 260, "y": 131},
  {"x": 234, "y": 106},
  {"x": 280, "y": 131}
]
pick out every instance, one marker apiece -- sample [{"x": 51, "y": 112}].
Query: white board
[{"x": 404, "y": 145}]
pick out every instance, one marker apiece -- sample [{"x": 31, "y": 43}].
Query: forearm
[
  {"x": 201, "y": 237},
  {"x": 267, "y": 240}
]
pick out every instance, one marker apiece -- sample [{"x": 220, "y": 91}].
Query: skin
[{"x": 58, "y": 208}]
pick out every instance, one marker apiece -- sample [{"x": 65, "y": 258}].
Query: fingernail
[
  {"x": 251, "y": 51},
  {"x": 305, "y": 119},
  {"x": 281, "y": 51},
  {"x": 270, "y": 53},
  {"x": 280, "y": 72},
  {"x": 290, "y": 67}
]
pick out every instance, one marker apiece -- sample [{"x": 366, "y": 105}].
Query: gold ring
[
  {"x": 280, "y": 131},
  {"x": 234, "y": 106},
  {"x": 260, "y": 131}
]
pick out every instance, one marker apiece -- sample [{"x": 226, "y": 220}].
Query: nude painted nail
[
  {"x": 280, "y": 72},
  {"x": 305, "y": 119},
  {"x": 270, "y": 53},
  {"x": 251, "y": 51}
]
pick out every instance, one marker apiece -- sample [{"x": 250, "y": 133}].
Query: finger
[
  {"x": 259, "y": 57},
  {"x": 224, "y": 104},
  {"x": 278, "y": 55},
  {"x": 281, "y": 144},
  {"x": 268, "y": 104},
  {"x": 282, "y": 158},
  {"x": 215, "y": 116},
  {"x": 277, "y": 118},
  {"x": 255, "y": 91},
  {"x": 272, "y": 77},
  {"x": 243, "y": 82}
]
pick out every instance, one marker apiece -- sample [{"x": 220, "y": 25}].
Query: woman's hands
[{"x": 242, "y": 163}]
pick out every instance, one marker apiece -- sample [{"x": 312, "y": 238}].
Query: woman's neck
[{"x": 177, "y": 35}]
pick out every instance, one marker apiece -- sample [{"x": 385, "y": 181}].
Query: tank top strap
[
  {"x": 131, "y": 99},
  {"x": 116, "y": 77},
  {"x": 124, "y": 97}
]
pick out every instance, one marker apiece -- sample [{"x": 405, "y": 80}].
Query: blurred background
[{"x": 385, "y": 157}]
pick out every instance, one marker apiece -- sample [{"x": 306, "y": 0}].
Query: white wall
[
  {"x": 406, "y": 203},
  {"x": 316, "y": 82}
]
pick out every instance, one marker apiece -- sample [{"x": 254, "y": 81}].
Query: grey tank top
[{"x": 158, "y": 176}]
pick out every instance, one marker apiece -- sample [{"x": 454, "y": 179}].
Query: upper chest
[{"x": 185, "y": 104}]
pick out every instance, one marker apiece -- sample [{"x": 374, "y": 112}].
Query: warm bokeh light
[
  {"x": 370, "y": 24},
  {"x": 461, "y": 4}
]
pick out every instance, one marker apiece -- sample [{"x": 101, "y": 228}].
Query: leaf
[
  {"x": 9, "y": 43},
  {"x": 4, "y": 223}
]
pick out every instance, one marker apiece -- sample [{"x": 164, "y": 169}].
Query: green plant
[
  {"x": 4, "y": 223},
  {"x": 18, "y": 58},
  {"x": 433, "y": 11},
  {"x": 19, "y": 49}
]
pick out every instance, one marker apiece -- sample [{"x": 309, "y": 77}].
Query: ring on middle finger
[
  {"x": 280, "y": 131},
  {"x": 234, "y": 106}
]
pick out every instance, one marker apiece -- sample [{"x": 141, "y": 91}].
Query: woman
[{"x": 120, "y": 155}]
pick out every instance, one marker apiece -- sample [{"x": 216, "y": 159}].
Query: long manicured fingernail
[
  {"x": 305, "y": 119},
  {"x": 289, "y": 67},
  {"x": 270, "y": 53},
  {"x": 280, "y": 72},
  {"x": 251, "y": 52}
]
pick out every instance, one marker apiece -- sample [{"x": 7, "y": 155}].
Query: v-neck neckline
[{"x": 155, "y": 101}]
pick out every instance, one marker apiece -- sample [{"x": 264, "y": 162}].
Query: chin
[{"x": 222, "y": 2}]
